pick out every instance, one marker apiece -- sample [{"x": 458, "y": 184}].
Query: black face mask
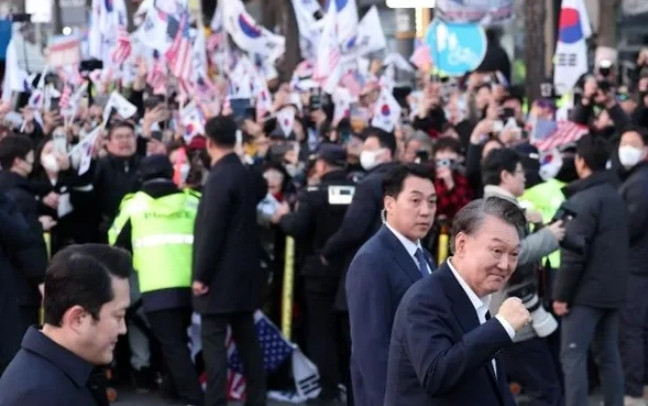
[{"x": 567, "y": 172}]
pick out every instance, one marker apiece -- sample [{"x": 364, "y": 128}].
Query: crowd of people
[{"x": 206, "y": 219}]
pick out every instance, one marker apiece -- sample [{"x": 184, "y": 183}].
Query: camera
[
  {"x": 422, "y": 156},
  {"x": 446, "y": 163},
  {"x": 542, "y": 322},
  {"x": 566, "y": 213}
]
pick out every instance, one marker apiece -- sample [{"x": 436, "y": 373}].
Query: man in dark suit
[
  {"x": 87, "y": 294},
  {"x": 17, "y": 161},
  {"x": 382, "y": 271},
  {"x": 226, "y": 270},
  {"x": 362, "y": 218},
  {"x": 444, "y": 344},
  {"x": 15, "y": 239}
]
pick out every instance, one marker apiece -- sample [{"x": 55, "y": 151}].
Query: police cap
[
  {"x": 156, "y": 166},
  {"x": 332, "y": 154}
]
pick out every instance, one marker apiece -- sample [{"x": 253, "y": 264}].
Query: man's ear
[
  {"x": 503, "y": 176},
  {"x": 74, "y": 318},
  {"x": 389, "y": 203},
  {"x": 460, "y": 244}
]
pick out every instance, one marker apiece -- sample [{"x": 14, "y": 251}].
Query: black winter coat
[
  {"x": 15, "y": 237},
  {"x": 226, "y": 254},
  {"x": 30, "y": 269},
  {"x": 114, "y": 178},
  {"x": 634, "y": 192},
  {"x": 361, "y": 221},
  {"x": 594, "y": 275}
]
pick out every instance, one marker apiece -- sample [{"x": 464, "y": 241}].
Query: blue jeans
[{"x": 581, "y": 327}]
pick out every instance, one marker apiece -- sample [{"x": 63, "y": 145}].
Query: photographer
[
  {"x": 611, "y": 119},
  {"x": 450, "y": 182},
  {"x": 591, "y": 285},
  {"x": 528, "y": 361}
]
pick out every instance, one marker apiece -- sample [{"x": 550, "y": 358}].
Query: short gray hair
[
  {"x": 421, "y": 137},
  {"x": 470, "y": 218}
]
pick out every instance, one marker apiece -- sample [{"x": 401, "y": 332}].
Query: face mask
[
  {"x": 630, "y": 156},
  {"x": 292, "y": 170},
  {"x": 368, "y": 159},
  {"x": 50, "y": 163}
]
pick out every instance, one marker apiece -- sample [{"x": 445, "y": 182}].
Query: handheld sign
[{"x": 456, "y": 48}]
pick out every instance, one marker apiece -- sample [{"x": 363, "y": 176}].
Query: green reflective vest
[
  {"x": 161, "y": 237},
  {"x": 545, "y": 198}
]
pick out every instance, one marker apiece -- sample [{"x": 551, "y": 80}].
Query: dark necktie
[
  {"x": 493, "y": 362},
  {"x": 422, "y": 263}
]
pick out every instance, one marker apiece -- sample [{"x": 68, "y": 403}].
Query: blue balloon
[{"x": 456, "y": 48}]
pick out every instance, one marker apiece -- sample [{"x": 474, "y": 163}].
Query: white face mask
[
  {"x": 630, "y": 156},
  {"x": 50, "y": 163},
  {"x": 368, "y": 159}
]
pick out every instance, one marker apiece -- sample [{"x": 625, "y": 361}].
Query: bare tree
[
  {"x": 534, "y": 15},
  {"x": 607, "y": 22}
]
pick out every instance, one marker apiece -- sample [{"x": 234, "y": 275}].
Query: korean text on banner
[{"x": 63, "y": 50}]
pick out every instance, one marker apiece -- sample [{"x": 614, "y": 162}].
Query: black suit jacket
[
  {"x": 440, "y": 355},
  {"x": 379, "y": 275},
  {"x": 14, "y": 238},
  {"x": 30, "y": 263},
  {"x": 361, "y": 221},
  {"x": 226, "y": 242},
  {"x": 44, "y": 373}
]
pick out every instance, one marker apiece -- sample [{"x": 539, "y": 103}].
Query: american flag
[
  {"x": 179, "y": 54},
  {"x": 156, "y": 77},
  {"x": 64, "y": 101},
  {"x": 276, "y": 350},
  {"x": 122, "y": 49},
  {"x": 214, "y": 40},
  {"x": 186, "y": 88},
  {"x": 205, "y": 89},
  {"x": 352, "y": 83},
  {"x": 566, "y": 132}
]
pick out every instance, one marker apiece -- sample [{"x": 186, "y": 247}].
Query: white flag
[
  {"x": 84, "y": 149},
  {"x": 123, "y": 107},
  {"x": 248, "y": 35},
  {"x": 328, "y": 68},
  {"x": 347, "y": 18},
  {"x": 199, "y": 54},
  {"x": 192, "y": 120},
  {"x": 15, "y": 78},
  {"x": 153, "y": 31},
  {"x": 571, "y": 50},
  {"x": 342, "y": 99},
  {"x": 310, "y": 28},
  {"x": 370, "y": 37},
  {"x": 306, "y": 375},
  {"x": 386, "y": 111},
  {"x": 102, "y": 35},
  {"x": 286, "y": 119},
  {"x": 398, "y": 62}
]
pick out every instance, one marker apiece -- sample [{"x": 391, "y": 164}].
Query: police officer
[
  {"x": 318, "y": 214},
  {"x": 157, "y": 224}
]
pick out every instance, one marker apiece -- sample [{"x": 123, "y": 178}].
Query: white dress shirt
[
  {"x": 481, "y": 306},
  {"x": 410, "y": 246}
]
